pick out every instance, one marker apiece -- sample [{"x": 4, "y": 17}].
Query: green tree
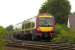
[
  {"x": 9, "y": 28},
  {"x": 59, "y": 9}
]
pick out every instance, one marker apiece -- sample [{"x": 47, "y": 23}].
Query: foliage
[
  {"x": 43, "y": 8},
  {"x": 3, "y": 33},
  {"x": 64, "y": 35},
  {"x": 9, "y": 28},
  {"x": 60, "y": 9}
]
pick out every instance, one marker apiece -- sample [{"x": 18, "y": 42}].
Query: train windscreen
[{"x": 45, "y": 22}]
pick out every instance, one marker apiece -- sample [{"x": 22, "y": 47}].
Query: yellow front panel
[{"x": 46, "y": 29}]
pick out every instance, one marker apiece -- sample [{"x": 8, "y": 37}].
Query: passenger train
[{"x": 43, "y": 28}]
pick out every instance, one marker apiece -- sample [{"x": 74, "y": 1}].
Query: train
[{"x": 41, "y": 29}]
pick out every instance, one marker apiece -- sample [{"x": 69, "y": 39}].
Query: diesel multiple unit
[{"x": 43, "y": 28}]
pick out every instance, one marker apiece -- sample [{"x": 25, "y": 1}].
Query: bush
[
  {"x": 3, "y": 33},
  {"x": 64, "y": 34}
]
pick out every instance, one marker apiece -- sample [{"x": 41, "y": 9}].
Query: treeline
[
  {"x": 59, "y": 9},
  {"x": 3, "y": 33}
]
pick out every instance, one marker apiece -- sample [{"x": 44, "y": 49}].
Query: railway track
[
  {"x": 33, "y": 45},
  {"x": 36, "y": 45},
  {"x": 29, "y": 45}
]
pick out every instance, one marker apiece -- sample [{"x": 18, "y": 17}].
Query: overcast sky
[{"x": 15, "y": 11}]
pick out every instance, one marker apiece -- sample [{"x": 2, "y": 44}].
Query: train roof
[{"x": 45, "y": 15}]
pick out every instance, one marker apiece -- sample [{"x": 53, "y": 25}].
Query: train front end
[{"x": 45, "y": 26}]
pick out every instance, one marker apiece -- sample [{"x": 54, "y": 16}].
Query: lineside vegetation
[{"x": 64, "y": 34}]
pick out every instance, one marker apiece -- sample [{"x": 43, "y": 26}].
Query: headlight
[{"x": 38, "y": 29}]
